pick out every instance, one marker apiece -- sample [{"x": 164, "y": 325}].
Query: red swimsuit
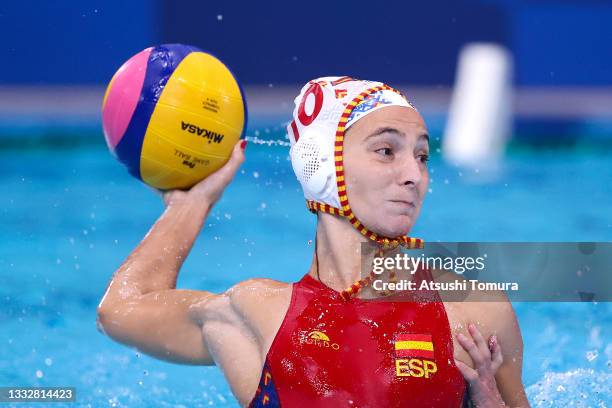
[{"x": 362, "y": 353}]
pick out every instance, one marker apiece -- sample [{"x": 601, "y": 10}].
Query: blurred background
[{"x": 70, "y": 213}]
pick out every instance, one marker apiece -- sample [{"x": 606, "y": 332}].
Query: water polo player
[{"x": 359, "y": 150}]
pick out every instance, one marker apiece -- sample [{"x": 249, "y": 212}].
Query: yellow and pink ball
[{"x": 172, "y": 114}]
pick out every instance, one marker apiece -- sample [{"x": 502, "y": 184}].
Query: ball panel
[
  {"x": 169, "y": 166},
  {"x": 162, "y": 61},
  {"x": 201, "y": 115},
  {"x": 122, "y": 96}
]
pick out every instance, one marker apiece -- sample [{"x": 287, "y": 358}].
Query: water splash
[
  {"x": 257, "y": 140},
  {"x": 577, "y": 388}
]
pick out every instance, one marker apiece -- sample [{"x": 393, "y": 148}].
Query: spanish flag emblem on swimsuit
[{"x": 414, "y": 345}]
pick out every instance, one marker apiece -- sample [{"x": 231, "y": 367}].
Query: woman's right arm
[{"x": 142, "y": 307}]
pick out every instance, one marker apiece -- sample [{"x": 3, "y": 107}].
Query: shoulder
[
  {"x": 491, "y": 308},
  {"x": 246, "y": 292},
  {"x": 254, "y": 293},
  {"x": 253, "y": 302},
  {"x": 495, "y": 313}
]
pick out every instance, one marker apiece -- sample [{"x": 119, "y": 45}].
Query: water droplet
[
  {"x": 39, "y": 374},
  {"x": 592, "y": 355},
  {"x": 48, "y": 361}
]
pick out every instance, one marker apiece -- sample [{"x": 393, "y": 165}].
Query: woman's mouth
[{"x": 403, "y": 204}]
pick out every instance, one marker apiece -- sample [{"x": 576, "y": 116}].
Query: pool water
[{"x": 70, "y": 216}]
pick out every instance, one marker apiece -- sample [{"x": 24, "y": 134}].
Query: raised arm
[{"x": 141, "y": 307}]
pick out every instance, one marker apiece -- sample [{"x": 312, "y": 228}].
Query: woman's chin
[{"x": 395, "y": 226}]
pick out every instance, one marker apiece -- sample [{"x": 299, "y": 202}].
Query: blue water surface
[{"x": 70, "y": 216}]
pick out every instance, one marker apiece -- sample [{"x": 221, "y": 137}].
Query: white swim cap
[{"x": 325, "y": 108}]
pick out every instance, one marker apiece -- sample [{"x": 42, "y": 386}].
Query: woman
[{"x": 330, "y": 339}]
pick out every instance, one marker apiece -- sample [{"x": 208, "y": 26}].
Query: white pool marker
[{"x": 480, "y": 116}]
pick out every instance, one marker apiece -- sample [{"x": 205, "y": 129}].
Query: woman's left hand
[{"x": 487, "y": 359}]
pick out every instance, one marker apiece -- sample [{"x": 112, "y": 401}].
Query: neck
[{"x": 339, "y": 251}]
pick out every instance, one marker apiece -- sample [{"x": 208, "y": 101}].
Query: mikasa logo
[{"x": 196, "y": 130}]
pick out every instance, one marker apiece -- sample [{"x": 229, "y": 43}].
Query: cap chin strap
[{"x": 384, "y": 242}]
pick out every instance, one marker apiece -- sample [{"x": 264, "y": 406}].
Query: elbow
[
  {"x": 108, "y": 322},
  {"x": 114, "y": 321},
  {"x": 106, "y": 312},
  {"x": 102, "y": 317}
]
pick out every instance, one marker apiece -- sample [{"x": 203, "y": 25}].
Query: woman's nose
[{"x": 410, "y": 171}]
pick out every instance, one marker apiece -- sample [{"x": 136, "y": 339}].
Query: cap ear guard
[{"x": 313, "y": 163}]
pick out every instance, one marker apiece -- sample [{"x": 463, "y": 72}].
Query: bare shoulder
[
  {"x": 258, "y": 292},
  {"x": 262, "y": 304},
  {"x": 494, "y": 315},
  {"x": 490, "y": 308},
  {"x": 241, "y": 297},
  {"x": 257, "y": 305}
]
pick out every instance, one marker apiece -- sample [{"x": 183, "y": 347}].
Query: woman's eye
[
  {"x": 424, "y": 158},
  {"x": 385, "y": 151}
]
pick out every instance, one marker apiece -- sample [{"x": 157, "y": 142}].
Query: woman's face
[{"x": 385, "y": 163}]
